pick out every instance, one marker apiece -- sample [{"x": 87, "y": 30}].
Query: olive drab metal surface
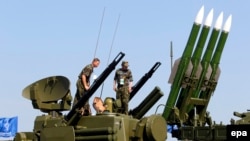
[
  {"x": 52, "y": 95},
  {"x": 193, "y": 80}
]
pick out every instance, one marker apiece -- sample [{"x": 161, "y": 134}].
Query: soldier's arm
[
  {"x": 130, "y": 81},
  {"x": 130, "y": 86},
  {"x": 84, "y": 82},
  {"x": 114, "y": 83}
]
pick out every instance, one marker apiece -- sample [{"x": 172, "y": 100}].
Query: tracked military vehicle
[
  {"x": 52, "y": 95},
  {"x": 193, "y": 78}
]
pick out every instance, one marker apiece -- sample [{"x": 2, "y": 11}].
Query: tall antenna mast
[
  {"x": 117, "y": 23},
  {"x": 113, "y": 38},
  {"x": 97, "y": 42},
  {"x": 171, "y": 54}
]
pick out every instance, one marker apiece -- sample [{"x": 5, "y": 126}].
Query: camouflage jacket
[
  {"x": 87, "y": 71},
  {"x": 123, "y": 77}
]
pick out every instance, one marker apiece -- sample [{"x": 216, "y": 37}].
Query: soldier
[
  {"x": 123, "y": 84},
  {"x": 83, "y": 85}
]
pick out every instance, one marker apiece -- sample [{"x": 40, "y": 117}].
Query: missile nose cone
[
  {"x": 227, "y": 24},
  {"x": 199, "y": 17},
  {"x": 218, "y": 22},
  {"x": 209, "y": 18}
]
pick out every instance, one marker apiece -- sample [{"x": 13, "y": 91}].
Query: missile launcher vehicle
[
  {"x": 52, "y": 95},
  {"x": 193, "y": 80}
]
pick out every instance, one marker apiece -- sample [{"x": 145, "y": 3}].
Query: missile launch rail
[{"x": 193, "y": 81}]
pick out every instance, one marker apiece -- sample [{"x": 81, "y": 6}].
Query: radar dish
[{"x": 47, "y": 89}]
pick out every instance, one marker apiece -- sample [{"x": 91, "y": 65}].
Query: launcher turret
[
  {"x": 194, "y": 80},
  {"x": 51, "y": 95}
]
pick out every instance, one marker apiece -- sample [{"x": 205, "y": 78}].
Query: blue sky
[{"x": 39, "y": 39}]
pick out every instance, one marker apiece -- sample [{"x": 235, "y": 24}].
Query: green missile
[
  {"x": 212, "y": 83},
  {"x": 196, "y": 71},
  {"x": 205, "y": 62},
  {"x": 216, "y": 59},
  {"x": 183, "y": 64},
  {"x": 217, "y": 55}
]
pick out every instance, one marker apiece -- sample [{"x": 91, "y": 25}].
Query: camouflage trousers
[
  {"x": 85, "y": 110},
  {"x": 123, "y": 94}
]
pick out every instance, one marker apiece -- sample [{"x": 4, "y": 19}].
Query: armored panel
[
  {"x": 220, "y": 133},
  {"x": 203, "y": 133},
  {"x": 187, "y": 133},
  {"x": 58, "y": 134}
]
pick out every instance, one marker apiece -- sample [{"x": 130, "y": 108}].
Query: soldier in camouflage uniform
[
  {"x": 83, "y": 85},
  {"x": 122, "y": 85}
]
